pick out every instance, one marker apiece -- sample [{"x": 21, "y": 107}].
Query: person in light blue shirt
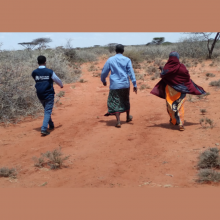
[{"x": 119, "y": 94}]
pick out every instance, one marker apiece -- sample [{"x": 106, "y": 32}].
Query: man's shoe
[
  {"x": 51, "y": 128},
  {"x": 45, "y": 132}
]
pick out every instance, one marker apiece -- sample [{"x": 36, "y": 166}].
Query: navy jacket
[{"x": 44, "y": 83}]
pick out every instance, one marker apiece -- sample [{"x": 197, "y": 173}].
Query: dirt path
[{"x": 148, "y": 152}]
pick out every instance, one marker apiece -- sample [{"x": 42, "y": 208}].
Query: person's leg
[
  {"x": 117, "y": 114},
  {"x": 51, "y": 124},
  {"x": 128, "y": 113},
  {"x": 48, "y": 107}
]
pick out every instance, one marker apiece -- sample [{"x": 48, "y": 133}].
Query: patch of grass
[
  {"x": 54, "y": 159},
  {"x": 96, "y": 75},
  {"x": 208, "y": 176},
  {"x": 77, "y": 71},
  {"x": 203, "y": 111},
  {"x": 144, "y": 86},
  {"x": 188, "y": 65},
  {"x": 139, "y": 76},
  {"x": 8, "y": 172},
  {"x": 134, "y": 55},
  {"x": 82, "y": 80},
  {"x": 61, "y": 94},
  {"x": 151, "y": 70},
  {"x": 136, "y": 65},
  {"x": 206, "y": 123},
  {"x": 210, "y": 75},
  {"x": 209, "y": 159},
  {"x": 215, "y": 83},
  {"x": 158, "y": 61},
  {"x": 92, "y": 68},
  {"x": 73, "y": 86}
]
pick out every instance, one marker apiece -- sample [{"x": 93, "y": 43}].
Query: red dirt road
[{"x": 147, "y": 152}]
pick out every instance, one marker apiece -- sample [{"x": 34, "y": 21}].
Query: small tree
[
  {"x": 158, "y": 40},
  {"x": 28, "y": 45},
  {"x": 210, "y": 41},
  {"x": 42, "y": 42}
]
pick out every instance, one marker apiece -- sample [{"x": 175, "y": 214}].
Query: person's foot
[
  {"x": 118, "y": 125},
  {"x": 130, "y": 118},
  {"x": 181, "y": 127},
  {"x": 51, "y": 128},
  {"x": 45, "y": 133}
]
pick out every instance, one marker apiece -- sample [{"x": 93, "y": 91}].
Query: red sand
[{"x": 147, "y": 152}]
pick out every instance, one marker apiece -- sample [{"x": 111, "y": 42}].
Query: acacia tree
[
  {"x": 42, "y": 42},
  {"x": 158, "y": 40},
  {"x": 210, "y": 41},
  {"x": 28, "y": 45}
]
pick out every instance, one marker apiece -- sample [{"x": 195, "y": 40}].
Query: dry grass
[
  {"x": 215, "y": 83},
  {"x": 82, "y": 81},
  {"x": 54, "y": 159},
  {"x": 208, "y": 176},
  {"x": 209, "y": 159},
  {"x": 61, "y": 94},
  {"x": 210, "y": 75},
  {"x": 144, "y": 86},
  {"x": 203, "y": 111},
  {"x": 8, "y": 172},
  {"x": 206, "y": 123},
  {"x": 17, "y": 88}
]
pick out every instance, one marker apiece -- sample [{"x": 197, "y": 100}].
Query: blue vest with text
[{"x": 44, "y": 83}]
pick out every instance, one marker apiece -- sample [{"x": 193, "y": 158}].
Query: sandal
[
  {"x": 181, "y": 128},
  {"x": 130, "y": 118},
  {"x": 118, "y": 125}
]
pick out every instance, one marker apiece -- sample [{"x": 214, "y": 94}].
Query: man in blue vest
[{"x": 44, "y": 79}]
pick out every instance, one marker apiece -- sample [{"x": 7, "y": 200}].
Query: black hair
[
  {"x": 41, "y": 60},
  {"x": 119, "y": 48}
]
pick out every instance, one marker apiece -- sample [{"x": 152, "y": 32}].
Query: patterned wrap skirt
[
  {"x": 175, "y": 105},
  {"x": 118, "y": 101}
]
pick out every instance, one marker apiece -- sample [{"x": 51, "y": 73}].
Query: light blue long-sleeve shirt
[
  {"x": 55, "y": 78},
  {"x": 121, "y": 70}
]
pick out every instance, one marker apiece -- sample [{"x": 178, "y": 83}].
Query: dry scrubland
[
  {"x": 17, "y": 92},
  {"x": 18, "y": 98}
]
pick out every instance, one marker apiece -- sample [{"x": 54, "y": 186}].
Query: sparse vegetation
[
  {"x": 8, "y": 172},
  {"x": 92, "y": 68},
  {"x": 209, "y": 159},
  {"x": 61, "y": 94},
  {"x": 206, "y": 123},
  {"x": 208, "y": 162},
  {"x": 82, "y": 80},
  {"x": 210, "y": 75},
  {"x": 208, "y": 176},
  {"x": 203, "y": 111},
  {"x": 144, "y": 86},
  {"x": 54, "y": 159},
  {"x": 139, "y": 76},
  {"x": 215, "y": 83}
]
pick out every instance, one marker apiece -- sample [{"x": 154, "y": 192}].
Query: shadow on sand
[{"x": 171, "y": 126}]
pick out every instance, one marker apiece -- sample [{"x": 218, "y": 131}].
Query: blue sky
[{"x": 10, "y": 40}]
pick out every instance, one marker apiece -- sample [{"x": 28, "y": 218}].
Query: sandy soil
[{"x": 147, "y": 152}]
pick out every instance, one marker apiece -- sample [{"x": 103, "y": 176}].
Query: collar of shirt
[
  {"x": 41, "y": 67},
  {"x": 118, "y": 54}
]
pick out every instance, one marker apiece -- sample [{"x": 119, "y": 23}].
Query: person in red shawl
[{"x": 174, "y": 86}]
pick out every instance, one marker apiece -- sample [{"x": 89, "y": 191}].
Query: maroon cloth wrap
[{"x": 177, "y": 76}]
